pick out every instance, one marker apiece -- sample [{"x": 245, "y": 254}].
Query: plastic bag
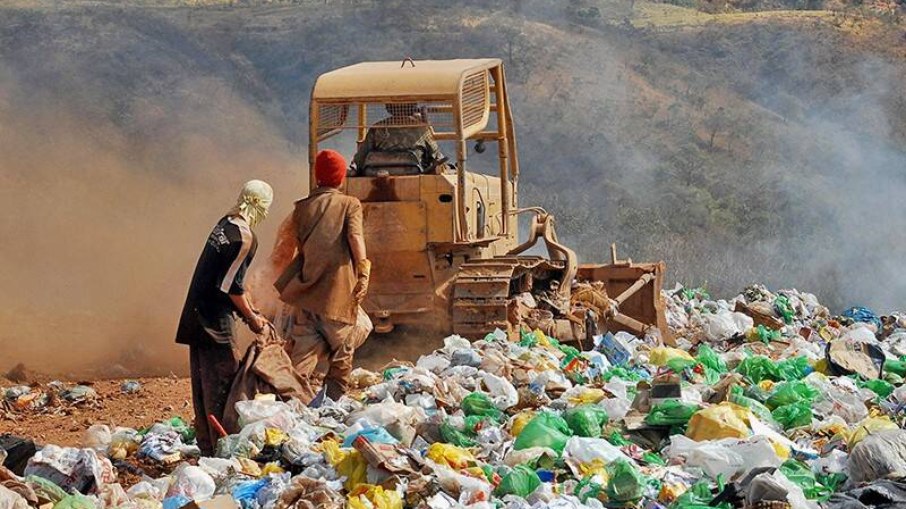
[
  {"x": 75, "y": 501},
  {"x": 758, "y": 409},
  {"x": 521, "y": 481},
  {"x": 450, "y": 455},
  {"x": 347, "y": 463},
  {"x": 787, "y": 393},
  {"x": 374, "y": 434},
  {"x": 801, "y": 475},
  {"x": 625, "y": 482},
  {"x": 758, "y": 368},
  {"x": 879, "y": 455},
  {"x": 503, "y": 393},
  {"x": 192, "y": 482},
  {"x": 586, "y": 420},
  {"x": 456, "y": 436},
  {"x": 544, "y": 430},
  {"x": 670, "y": 413},
  {"x": 708, "y": 358},
  {"x": 795, "y": 368},
  {"x": 725, "y": 420},
  {"x": 869, "y": 426},
  {"x": 659, "y": 356},
  {"x": 878, "y": 386},
  {"x": 480, "y": 404},
  {"x": 793, "y": 415},
  {"x": 368, "y": 496}
]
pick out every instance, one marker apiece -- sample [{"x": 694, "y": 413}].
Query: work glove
[{"x": 363, "y": 270}]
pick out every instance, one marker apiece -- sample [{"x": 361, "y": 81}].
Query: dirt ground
[
  {"x": 164, "y": 397},
  {"x": 158, "y": 399}
]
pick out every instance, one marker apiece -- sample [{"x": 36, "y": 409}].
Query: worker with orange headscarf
[{"x": 328, "y": 279}]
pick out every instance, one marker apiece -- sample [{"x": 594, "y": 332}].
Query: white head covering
[{"x": 254, "y": 200}]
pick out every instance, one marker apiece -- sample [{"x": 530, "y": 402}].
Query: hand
[
  {"x": 257, "y": 323},
  {"x": 363, "y": 269}
]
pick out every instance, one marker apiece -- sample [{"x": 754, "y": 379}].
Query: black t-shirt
[{"x": 220, "y": 272}]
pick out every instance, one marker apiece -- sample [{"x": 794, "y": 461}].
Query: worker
[
  {"x": 328, "y": 279},
  {"x": 216, "y": 295},
  {"x": 402, "y": 143}
]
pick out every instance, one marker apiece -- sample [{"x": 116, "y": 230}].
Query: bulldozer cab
[{"x": 452, "y": 103}]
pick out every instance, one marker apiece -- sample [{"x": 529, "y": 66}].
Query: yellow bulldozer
[{"x": 442, "y": 235}]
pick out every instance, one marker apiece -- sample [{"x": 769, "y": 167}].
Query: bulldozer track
[{"x": 484, "y": 288}]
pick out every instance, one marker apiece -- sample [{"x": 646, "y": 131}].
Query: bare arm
[{"x": 249, "y": 313}]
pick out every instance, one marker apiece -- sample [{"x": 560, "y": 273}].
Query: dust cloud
[{"x": 101, "y": 228}]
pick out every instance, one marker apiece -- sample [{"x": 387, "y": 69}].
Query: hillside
[{"x": 736, "y": 143}]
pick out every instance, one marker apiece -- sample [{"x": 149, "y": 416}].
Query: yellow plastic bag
[
  {"x": 369, "y": 496},
  {"x": 349, "y": 463},
  {"x": 868, "y": 426},
  {"x": 726, "y": 420},
  {"x": 450, "y": 455},
  {"x": 272, "y": 468},
  {"x": 520, "y": 420},
  {"x": 274, "y": 437},
  {"x": 588, "y": 396},
  {"x": 661, "y": 355}
]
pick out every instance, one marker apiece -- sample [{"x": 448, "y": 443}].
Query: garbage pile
[
  {"x": 766, "y": 400},
  {"x": 37, "y": 398}
]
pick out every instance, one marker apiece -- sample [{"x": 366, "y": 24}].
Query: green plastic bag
[
  {"x": 621, "y": 373},
  {"x": 453, "y": 435},
  {"x": 758, "y": 368},
  {"x": 708, "y": 358},
  {"x": 678, "y": 365},
  {"x": 794, "y": 368},
  {"x": 762, "y": 412},
  {"x": 544, "y": 430},
  {"x": 784, "y": 308},
  {"x": 586, "y": 420},
  {"x": 793, "y": 415},
  {"x": 766, "y": 335},
  {"x": 651, "y": 458},
  {"x": 670, "y": 413},
  {"x": 698, "y": 496},
  {"x": 787, "y": 393},
  {"x": 879, "y": 387},
  {"x": 617, "y": 439},
  {"x": 897, "y": 367},
  {"x": 587, "y": 488},
  {"x": 801, "y": 475},
  {"x": 478, "y": 403},
  {"x": 625, "y": 483},
  {"x": 521, "y": 481},
  {"x": 46, "y": 489},
  {"x": 76, "y": 501}
]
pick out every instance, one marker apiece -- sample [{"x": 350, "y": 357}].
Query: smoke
[{"x": 102, "y": 228}]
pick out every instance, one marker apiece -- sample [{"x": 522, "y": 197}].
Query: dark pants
[{"x": 213, "y": 366}]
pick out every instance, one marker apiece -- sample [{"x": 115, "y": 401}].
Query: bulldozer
[{"x": 444, "y": 238}]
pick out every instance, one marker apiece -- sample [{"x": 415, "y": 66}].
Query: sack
[{"x": 265, "y": 369}]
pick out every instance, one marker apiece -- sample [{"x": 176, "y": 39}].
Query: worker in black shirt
[{"x": 216, "y": 295}]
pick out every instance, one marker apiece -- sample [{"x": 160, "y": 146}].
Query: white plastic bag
[
  {"x": 503, "y": 394},
  {"x": 275, "y": 414},
  {"x": 726, "y": 457},
  {"x": 192, "y": 482},
  {"x": 580, "y": 450},
  {"x": 720, "y": 326}
]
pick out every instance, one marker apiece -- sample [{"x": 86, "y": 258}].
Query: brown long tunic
[{"x": 324, "y": 220}]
